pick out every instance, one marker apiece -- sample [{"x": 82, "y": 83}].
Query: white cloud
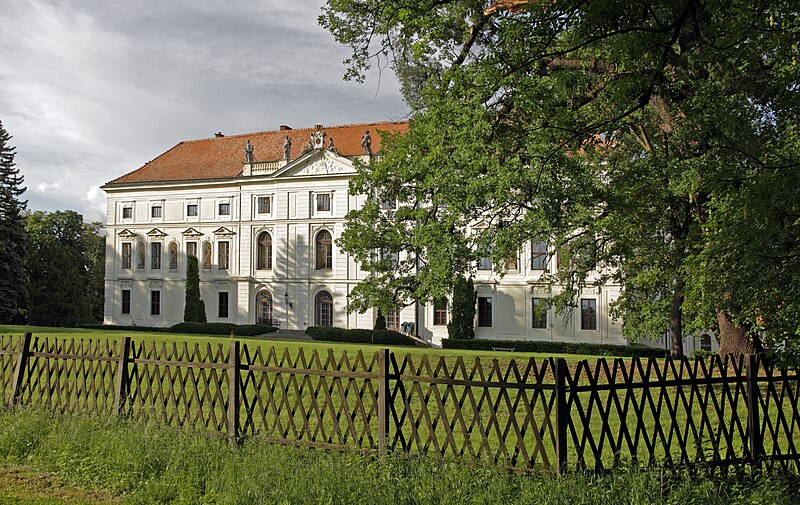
[{"x": 94, "y": 89}]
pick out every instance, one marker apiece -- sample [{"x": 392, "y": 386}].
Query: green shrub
[
  {"x": 242, "y": 330},
  {"x": 358, "y": 336},
  {"x": 462, "y": 317},
  {"x": 547, "y": 347},
  {"x": 245, "y": 330},
  {"x": 380, "y": 322}
]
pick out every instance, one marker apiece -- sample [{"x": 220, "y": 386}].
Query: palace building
[{"x": 262, "y": 213}]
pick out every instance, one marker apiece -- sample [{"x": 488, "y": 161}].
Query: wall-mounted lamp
[{"x": 286, "y": 299}]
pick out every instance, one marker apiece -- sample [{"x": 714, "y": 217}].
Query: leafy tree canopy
[
  {"x": 655, "y": 143},
  {"x": 65, "y": 264}
]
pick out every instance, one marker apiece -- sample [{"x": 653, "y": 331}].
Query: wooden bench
[{"x": 507, "y": 349}]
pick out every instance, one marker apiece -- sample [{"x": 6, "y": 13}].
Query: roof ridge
[{"x": 240, "y": 135}]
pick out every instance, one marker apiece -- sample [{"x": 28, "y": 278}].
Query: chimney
[
  {"x": 219, "y": 135},
  {"x": 285, "y": 128}
]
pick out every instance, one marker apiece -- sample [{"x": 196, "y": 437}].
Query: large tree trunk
[
  {"x": 733, "y": 339},
  {"x": 676, "y": 320}
]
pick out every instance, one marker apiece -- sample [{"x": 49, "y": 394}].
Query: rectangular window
[
  {"x": 588, "y": 314},
  {"x": 485, "y": 264},
  {"x": 191, "y": 249},
  {"x": 224, "y": 254},
  {"x": 225, "y": 209},
  {"x": 539, "y": 313},
  {"x": 485, "y": 311},
  {"x": 440, "y": 312},
  {"x": 155, "y": 255},
  {"x": 127, "y": 251},
  {"x": 191, "y": 210},
  {"x": 223, "y": 304},
  {"x": 155, "y": 303},
  {"x": 127, "y": 212},
  {"x": 323, "y": 202},
  {"x": 539, "y": 255},
  {"x": 126, "y": 301},
  {"x": 264, "y": 204},
  {"x": 155, "y": 211},
  {"x": 393, "y": 320}
]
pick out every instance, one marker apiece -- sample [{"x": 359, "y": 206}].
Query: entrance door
[{"x": 264, "y": 307}]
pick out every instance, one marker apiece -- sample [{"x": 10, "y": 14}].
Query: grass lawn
[
  {"x": 50, "y": 459},
  {"x": 24, "y": 486},
  {"x": 279, "y": 342}
]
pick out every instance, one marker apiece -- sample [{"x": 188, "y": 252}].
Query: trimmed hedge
[
  {"x": 547, "y": 347},
  {"x": 357, "y": 336},
  {"x": 241, "y": 330}
]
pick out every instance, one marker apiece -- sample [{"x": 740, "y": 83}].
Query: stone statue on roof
[
  {"x": 248, "y": 153},
  {"x": 287, "y": 148},
  {"x": 366, "y": 143},
  {"x": 331, "y": 146}
]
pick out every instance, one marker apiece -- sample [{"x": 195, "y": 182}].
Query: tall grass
[{"x": 150, "y": 463}]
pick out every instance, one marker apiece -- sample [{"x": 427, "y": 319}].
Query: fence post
[
  {"x": 19, "y": 369},
  {"x": 383, "y": 400},
  {"x": 753, "y": 407},
  {"x": 121, "y": 385},
  {"x": 233, "y": 391},
  {"x": 562, "y": 414}
]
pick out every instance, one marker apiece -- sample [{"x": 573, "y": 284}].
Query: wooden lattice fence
[{"x": 520, "y": 414}]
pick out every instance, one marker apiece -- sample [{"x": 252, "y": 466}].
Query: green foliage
[
  {"x": 148, "y": 463},
  {"x": 65, "y": 265},
  {"x": 194, "y": 309},
  {"x": 12, "y": 234},
  {"x": 462, "y": 318},
  {"x": 555, "y": 348},
  {"x": 657, "y": 148},
  {"x": 357, "y": 336}
]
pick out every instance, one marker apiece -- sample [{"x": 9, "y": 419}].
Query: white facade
[{"x": 153, "y": 225}]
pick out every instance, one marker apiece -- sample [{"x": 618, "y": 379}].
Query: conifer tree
[
  {"x": 195, "y": 309},
  {"x": 12, "y": 232},
  {"x": 462, "y": 322}
]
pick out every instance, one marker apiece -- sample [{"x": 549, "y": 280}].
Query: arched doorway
[
  {"x": 264, "y": 307},
  {"x": 705, "y": 342},
  {"x": 323, "y": 309}
]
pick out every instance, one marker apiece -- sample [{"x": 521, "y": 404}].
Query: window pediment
[
  {"x": 222, "y": 231},
  {"x": 191, "y": 232},
  {"x": 126, "y": 233},
  {"x": 155, "y": 232}
]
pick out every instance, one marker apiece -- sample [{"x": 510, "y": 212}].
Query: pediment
[
  {"x": 155, "y": 232},
  {"x": 191, "y": 232},
  {"x": 126, "y": 233},
  {"x": 316, "y": 163},
  {"x": 224, "y": 232}
]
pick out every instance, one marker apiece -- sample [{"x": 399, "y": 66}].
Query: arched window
[
  {"x": 264, "y": 252},
  {"x": 264, "y": 307},
  {"x": 324, "y": 250},
  {"x": 323, "y": 309}
]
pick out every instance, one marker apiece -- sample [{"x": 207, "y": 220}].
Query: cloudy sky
[{"x": 92, "y": 89}]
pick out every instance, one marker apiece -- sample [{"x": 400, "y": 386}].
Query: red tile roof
[{"x": 223, "y": 157}]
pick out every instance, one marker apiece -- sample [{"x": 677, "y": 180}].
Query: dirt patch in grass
[{"x": 23, "y": 486}]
